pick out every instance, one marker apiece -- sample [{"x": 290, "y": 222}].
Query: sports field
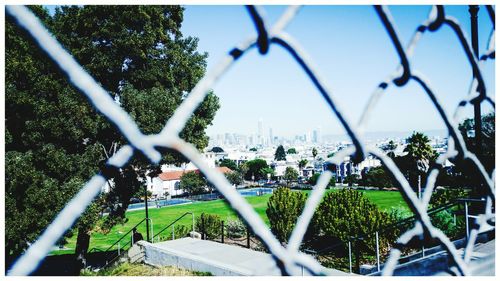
[{"x": 385, "y": 200}]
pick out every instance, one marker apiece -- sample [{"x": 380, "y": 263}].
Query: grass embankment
[
  {"x": 385, "y": 200},
  {"x": 137, "y": 269}
]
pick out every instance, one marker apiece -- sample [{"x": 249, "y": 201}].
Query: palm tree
[
  {"x": 302, "y": 163},
  {"x": 419, "y": 156},
  {"x": 314, "y": 152},
  {"x": 419, "y": 151}
]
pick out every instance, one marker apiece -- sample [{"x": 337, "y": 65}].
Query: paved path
[
  {"x": 482, "y": 262},
  {"x": 220, "y": 259}
]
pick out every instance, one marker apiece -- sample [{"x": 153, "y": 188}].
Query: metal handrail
[
  {"x": 95, "y": 250},
  {"x": 456, "y": 202},
  {"x": 159, "y": 232},
  {"x": 125, "y": 235}
]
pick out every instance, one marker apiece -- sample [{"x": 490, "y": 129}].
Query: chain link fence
[{"x": 289, "y": 260}]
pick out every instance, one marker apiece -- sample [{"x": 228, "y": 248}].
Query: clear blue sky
[{"x": 353, "y": 52}]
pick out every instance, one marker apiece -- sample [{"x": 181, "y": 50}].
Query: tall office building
[
  {"x": 260, "y": 132},
  {"x": 271, "y": 136}
]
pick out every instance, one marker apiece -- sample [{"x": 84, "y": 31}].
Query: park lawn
[
  {"x": 164, "y": 216},
  {"x": 386, "y": 200},
  {"x": 161, "y": 217}
]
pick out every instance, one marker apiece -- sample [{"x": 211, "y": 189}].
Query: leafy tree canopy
[
  {"x": 314, "y": 152},
  {"x": 193, "y": 183},
  {"x": 280, "y": 154},
  {"x": 283, "y": 209},
  {"x": 290, "y": 174},
  {"x": 228, "y": 163},
  {"x": 302, "y": 163},
  {"x": 255, "y": 169},
  {"x": 234, "y": 178},
  {"x": 314, "y": 179},
  {"x": 376, "y": 177},
  {"x": 141, "y": 58}
]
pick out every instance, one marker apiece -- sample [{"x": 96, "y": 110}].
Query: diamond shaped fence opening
[{"x": 289, "y": 260}]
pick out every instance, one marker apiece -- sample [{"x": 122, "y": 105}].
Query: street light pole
[
  {"x": 473, "y": 10},
  {"x": 147, "y": 214}
]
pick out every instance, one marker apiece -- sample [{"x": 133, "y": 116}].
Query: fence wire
[{"x": 289, "y": 260}]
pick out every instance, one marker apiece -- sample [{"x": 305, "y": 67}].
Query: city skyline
[
  {"x": 313, "y": 136},
  {"x": 274, "y": 88}
]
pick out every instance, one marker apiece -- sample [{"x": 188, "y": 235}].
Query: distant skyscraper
[
  {"x": 316, "y": 135},
  {"x": 271, "y": 136},
  {"x": 307, "y": 137},
  {"x": 260, "y": 131}
]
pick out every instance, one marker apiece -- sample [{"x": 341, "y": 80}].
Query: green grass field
[{"x": 385, "y": 200}]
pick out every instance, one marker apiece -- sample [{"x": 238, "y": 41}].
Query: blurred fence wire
[{"x": 289, "y": 260}]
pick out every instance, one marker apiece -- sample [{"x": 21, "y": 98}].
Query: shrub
[
  {"x": 348, "y": 213},
  {"x": 180, "y": 231},
  {"x": 314, "y": 179},
  {"x": 398, "y": 214},
  {"x": 377, "y": 177},
  {"x": 445, "y": 222},
  {"x": 283, "y": 209},
  {"x": 235, "y": 229},
  {"x": 210, "y": 225},
  {"x": 447, "y": 195}
]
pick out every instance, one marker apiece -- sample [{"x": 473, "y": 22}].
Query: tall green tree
[
  {"x": 348, "y": 213},
  {"x": 280, "y": 154},
  {"x": 228, "y": 163},
  {"x": 463, "y": 174},
  {"x": 302, "y": 163},
  {"x": 193, "y": 183},
  {"x": 283, "y": 209},
  {"x": 389, "y": 148},
  {"x": 314, "y": 179},
  {"x": 267, "y": 171},
  {"x": 254, "y": 169},
  {"x": 290, "y": 174},
  {"x": 419, "y": 157},
  {"x": 377, "y": 177},
  {"x": 314, "y": 152},
  {"x": 486, "y": 150},
  {"x": 351, "y": 179},
  {"x": 139, "y": 55},
  {"x": 234, "y": 178}
]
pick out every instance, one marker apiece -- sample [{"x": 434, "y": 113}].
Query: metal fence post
[
  {"x": 173, "y": 231},
  {"x": 119, "y": 247},
  {"x": 350, "y": 257},
  {"x": 152, "y": 233},
  {"x": 378, "y": 252},
  {"x": 192, "y": 215},
  {"x": 203, "y": 235},
  {"x": 222, "y": 231},
  {"x": 248, "y": 238},
  {"x": 466, "y": 221},
  {"x": 357, "y": 252}
]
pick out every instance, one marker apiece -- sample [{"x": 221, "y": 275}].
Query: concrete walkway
[{"x": 209, "y": 256}]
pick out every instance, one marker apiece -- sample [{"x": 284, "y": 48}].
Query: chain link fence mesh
[{"x": 289, "y": 260}]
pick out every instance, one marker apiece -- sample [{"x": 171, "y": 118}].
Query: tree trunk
[{"x": 82, "y": 246}]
